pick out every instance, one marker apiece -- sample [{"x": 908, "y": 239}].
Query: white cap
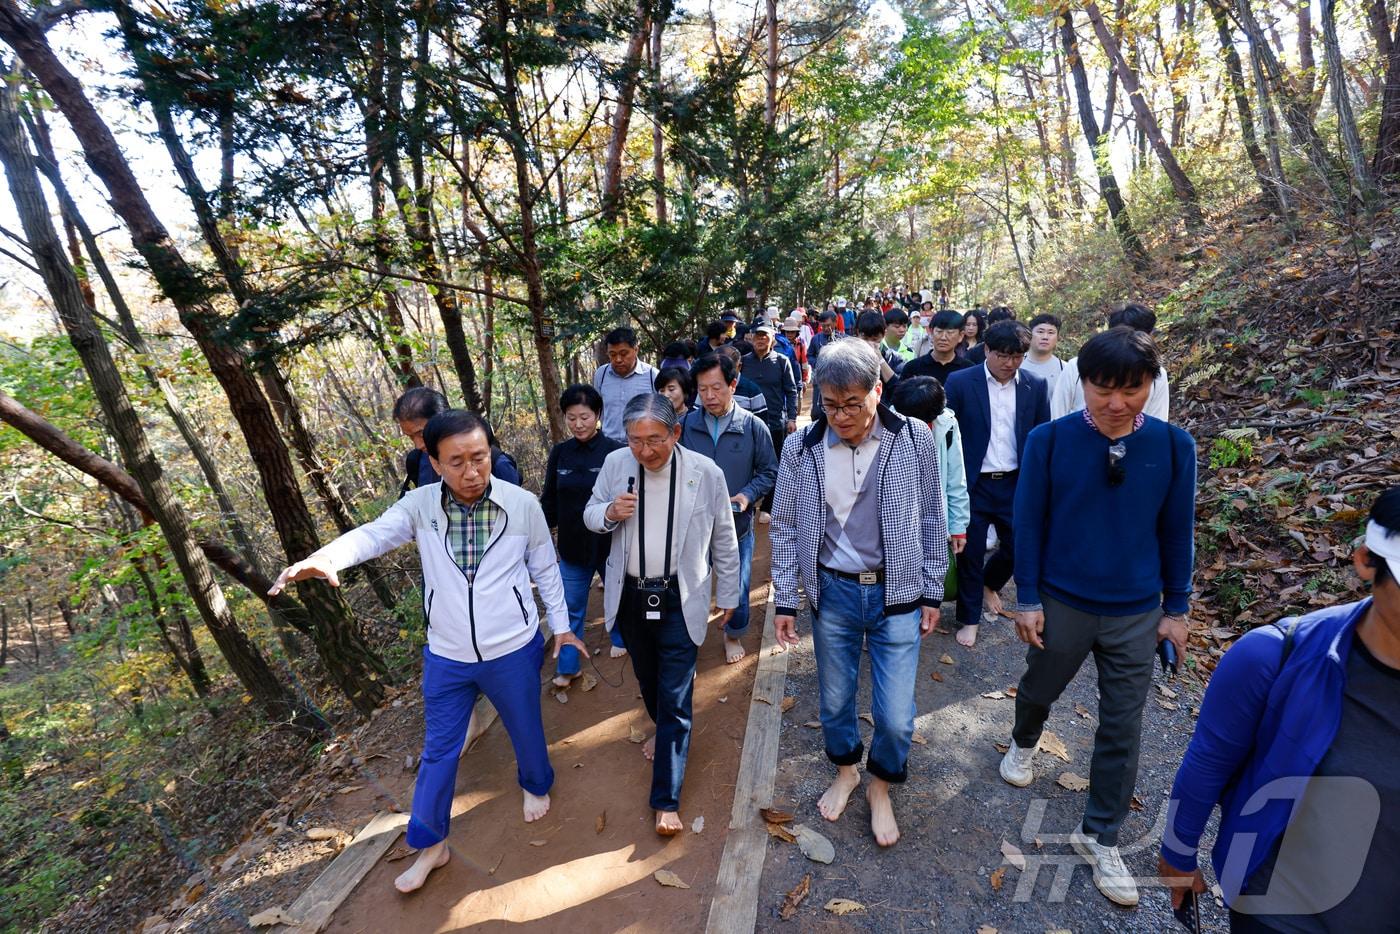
[
  {"x": 1384, "y": 543},
  {"x": 840, "y": 303}
]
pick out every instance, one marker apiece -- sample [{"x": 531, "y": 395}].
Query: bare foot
[
  {"x": 764, "y": 518},
  {"x": 882, "y": 822},
  {"x": 733, "y": 649},
  {"x": 833, "y": 802},
  {"x": 967, "y": 636},
  {"x": 992, "y": 601},
  {"x": 616, "y": 651},
  {"x": 536, "y": 806},
  {"x": 563, "y": 681},
  {"x": 668, "y": 823},
  {"x": 412, "y": 878},
  {"x": 649, "y": 748}
]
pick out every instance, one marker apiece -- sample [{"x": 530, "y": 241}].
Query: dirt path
[
  {"x": 955, "y": 811},
  {"x": 562, "y": 872}
]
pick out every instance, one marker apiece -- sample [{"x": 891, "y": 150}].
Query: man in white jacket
[{"x": 481, "y": 541}]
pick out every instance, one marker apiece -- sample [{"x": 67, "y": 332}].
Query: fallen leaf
[
  {"x": 588, "y": 682},
  {"x": 774, "y": 816},
  {"x": 271, "y": 916},
  {"x": 868, "y": 719},
  {"x": 724, "y": 699},
  {"x": 788, "y": 703},
  {"x": 1168, "y": 705},
  {"x": 323, "y": 833},
  {"x": 1167, "y": 692},
  {"x": 600, "y": 822},
  {"x": 668, "y": 878},
  {"x": 986, "y": 929},
  {"x": 539, "y": 842},
  {"x": 399, "y": 852},
  {"x": 1002, "y": 747},
  {"x": 1013, "y": 855},
  {"x": 919, "y": 738},
  {"x": 843, "y": 906},
  {"x": 763, "y": 700},
  {"x": 998, "y": 875},
  {"x": 1082, "y": 711},
  {"x": 1011, "y": 691},
  {"x": 1136, "y": 803},
  {"x": 794, "y": 897},
  {"x": 1053, "y": 745},
  {"x": 635, "y": 735},
  {"x": 995, "y": 695},
  {"x": 946, "y": 659},
  {"x": 697, "y": 825},
  {"x": 936, "y": 675},
  {"x": 813, "y": 845},
  {"x": 561, "y": 696},
  {"x": 781, "y": 832},
  {"x": 499, "y": 859},
  {"x": 1073, "y": 782},
  {"x": 348, "y": 789},
  {"x": 813, "y": 724}
]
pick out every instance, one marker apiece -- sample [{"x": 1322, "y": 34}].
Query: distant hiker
[
  {"x": 941, "y": 361},
  {"x": 482, "y": 542},
  {"x": 1045, "y": 335}
]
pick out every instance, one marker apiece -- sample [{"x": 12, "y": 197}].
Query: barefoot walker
[
  {"x": 672, "y": 508},
  {"x": 858, "y": 520},
  {"x": 481, "y": 541}
]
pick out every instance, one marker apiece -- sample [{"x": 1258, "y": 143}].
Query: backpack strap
[{"x": 1288, "y": 633}]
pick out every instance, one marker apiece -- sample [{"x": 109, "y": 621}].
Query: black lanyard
[{"x": 642, "y": 523}]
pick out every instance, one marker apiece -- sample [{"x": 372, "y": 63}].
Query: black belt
[
  {"x": 1000, "y": 474},
  {"x": 863, "y": 577},
  {"x": 629, "y": 581}
]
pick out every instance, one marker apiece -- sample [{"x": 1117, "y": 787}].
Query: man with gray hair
[
  {"x": 858, "y": 521},
  {"x": 670, "y": 510}
]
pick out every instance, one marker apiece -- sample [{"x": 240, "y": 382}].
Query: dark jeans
[
  {"x": 1248, "y": 924},
  {"x": 1124, "y": 649},
  {"x": 991, "y": 503},
  {"x": 663, "y": 658}
]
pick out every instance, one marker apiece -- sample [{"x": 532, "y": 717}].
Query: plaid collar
[{"x": 1138, "y": 420}]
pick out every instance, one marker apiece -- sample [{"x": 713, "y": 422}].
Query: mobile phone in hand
[
  {"x": 1166, "y": 651},
  {"x": 1189, "y": 912}
]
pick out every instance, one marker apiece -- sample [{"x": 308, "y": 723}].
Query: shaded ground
[
  {"x": 559, "y": 872},
  {"x": 955, "y": 811}
]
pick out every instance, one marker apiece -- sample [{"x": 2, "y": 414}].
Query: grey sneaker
[
  {"x": 1016, "y": 766},
  {"x": 1111, "y": 876}
]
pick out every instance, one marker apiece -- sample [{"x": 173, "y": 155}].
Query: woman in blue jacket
[{"x": 1298, "y": 741}]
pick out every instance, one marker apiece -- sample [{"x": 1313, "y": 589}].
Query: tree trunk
[
  {"x": 1307, "y": 65},
  {"x": 1365, "y": 185},
  {"x": 1181, "y": 185},
  {"x": 351, "y": 663},
  {"x": 184, "y": 652},
  {"x": 658, "y": 139},
  {"x": 611, "y": 196},
  {"x": 241, "y": 654},
  {"x": 1069, "y": 169},
  {"x": 1098, "y": 145},
  {"x": 531, "y": 271},
  {"x": 1271, "y": 188},
  {"x": 1387, "y": 158}
]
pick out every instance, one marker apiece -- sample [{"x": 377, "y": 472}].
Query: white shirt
[
  {"x": 658, "y": 494},
  {"x": 1067, "y": 395},
  {"x": 1001, "y": 443},
  {"x": 1049, "y": 371}
]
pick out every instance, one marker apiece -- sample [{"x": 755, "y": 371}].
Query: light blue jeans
[
  {"x": 853, "y": 617},
  {"x": 577, "y": 579},
  {"x": 739, "y": 623}
]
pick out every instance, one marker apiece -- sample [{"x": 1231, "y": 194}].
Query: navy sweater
[{"x": 1111, "y": 551}]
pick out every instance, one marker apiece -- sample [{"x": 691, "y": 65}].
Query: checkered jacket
[{"x": 913, "y": 527}]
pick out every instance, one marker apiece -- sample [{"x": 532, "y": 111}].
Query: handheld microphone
[{"x": 631, "y": 484}]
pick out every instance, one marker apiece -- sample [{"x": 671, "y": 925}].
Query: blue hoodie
[{"x": 1263, "y": 719}]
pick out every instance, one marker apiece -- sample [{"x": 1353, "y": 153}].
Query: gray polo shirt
[
  {"x": 617, "y": 391},
  {"x": 851, "y": 541}
]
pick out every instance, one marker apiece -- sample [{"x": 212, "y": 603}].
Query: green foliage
[{"x": 1230, "y": 452}]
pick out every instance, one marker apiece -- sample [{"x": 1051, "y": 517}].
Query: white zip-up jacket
[{"x": 495, "y": 615}]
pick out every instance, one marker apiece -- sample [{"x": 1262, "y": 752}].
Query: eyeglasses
[
  {"x": 850, "y": 409},
  {"x": 1008, "y": 357},
  {"x": 1116, "y": 473},
  {"x": 651, "y": 444}
]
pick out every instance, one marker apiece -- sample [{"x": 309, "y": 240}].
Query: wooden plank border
[
  {"x": 734, "y": 909},
  {"x": 314, "y": 907}
]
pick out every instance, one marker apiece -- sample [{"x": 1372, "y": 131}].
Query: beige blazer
[{"x": 704, "y": 529}]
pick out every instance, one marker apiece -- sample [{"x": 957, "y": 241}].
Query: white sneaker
[
  {"x": 1111, "y": 876},
  {"x": 1016, "y": 765}
]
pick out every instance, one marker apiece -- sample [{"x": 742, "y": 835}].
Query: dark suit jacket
[{"x": 971, "y": 404}]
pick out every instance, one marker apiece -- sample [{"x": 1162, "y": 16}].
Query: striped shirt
[{"x": 469, "y": 529}]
